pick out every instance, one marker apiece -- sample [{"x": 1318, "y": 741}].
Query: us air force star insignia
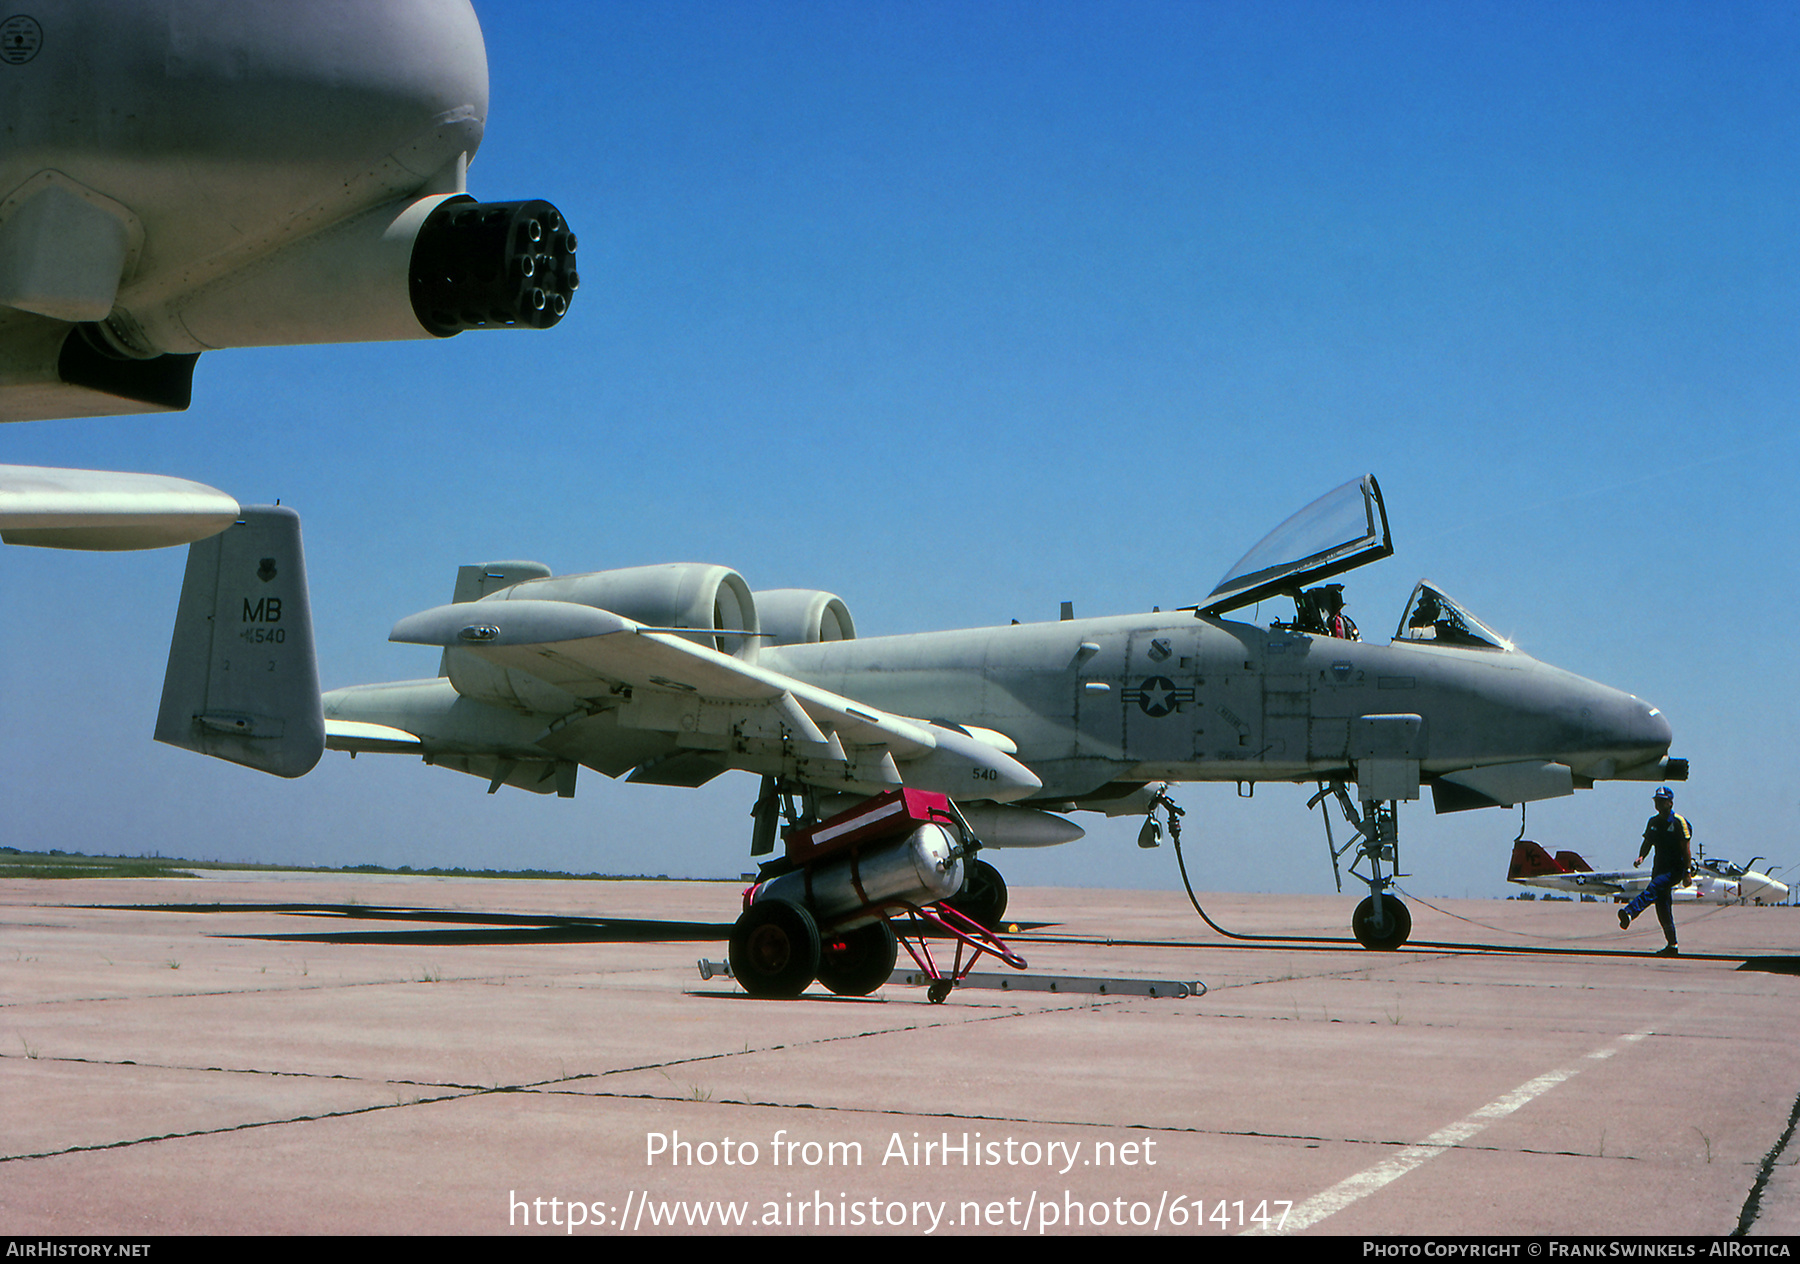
[{"x": 1157, "y": 696}]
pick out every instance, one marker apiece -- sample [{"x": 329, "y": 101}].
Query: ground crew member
[{"x": 1669, "y": 836}]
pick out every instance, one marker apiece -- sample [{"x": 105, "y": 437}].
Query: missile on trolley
[
  {"x": 852, "y": 884},
  {"x": 901, "y": 851}
]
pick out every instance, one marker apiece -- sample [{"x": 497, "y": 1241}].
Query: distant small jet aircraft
[
  {"x": 186, "y": 176},
  {"x": 1715, "y": 881},
  {"x": 673, "y": 674}
]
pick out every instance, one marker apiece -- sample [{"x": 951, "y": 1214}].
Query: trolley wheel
[
  {"x": 939, "y": 989},
  {"x": 775, "y": 949},
  {"x": 856, "y": 962},
  {"x": 1386, "y": 935},
  {"x": 983, "y": 896}
]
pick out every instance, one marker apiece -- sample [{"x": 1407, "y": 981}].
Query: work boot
[
  {"x": 1668, "y": 950},
  {"x": 1624, "y": 920}
]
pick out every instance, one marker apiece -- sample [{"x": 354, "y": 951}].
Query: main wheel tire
[
  {"x": 1387, "y": 935},
  {"x": 858, "y": 961},
  {"x": 983, "y": 896},
  {"x": 775, "y": 949}
]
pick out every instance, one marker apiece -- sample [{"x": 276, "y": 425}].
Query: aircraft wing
[
  {"x": 658, "y": 680},
  {"x": 104, "y": 510}
]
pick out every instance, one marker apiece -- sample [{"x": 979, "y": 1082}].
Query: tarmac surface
[{"x": 300, "y": 1054}]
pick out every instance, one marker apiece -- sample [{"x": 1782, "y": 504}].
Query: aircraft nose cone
[
  {"x": 1623, "y": 732},
  {"x": 1652, "y": 727}
]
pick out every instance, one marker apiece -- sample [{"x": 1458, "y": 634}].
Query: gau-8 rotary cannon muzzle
[
  {"x": 476, "y": 265},
  {"x": 414, "y": 268}
]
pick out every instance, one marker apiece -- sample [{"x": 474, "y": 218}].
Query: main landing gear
[
  {"x": 983, "y": 896},
  {"x": 1380, "y": 922}
]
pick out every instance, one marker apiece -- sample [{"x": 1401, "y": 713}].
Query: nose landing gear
[{"x": 1380, "y": 922}]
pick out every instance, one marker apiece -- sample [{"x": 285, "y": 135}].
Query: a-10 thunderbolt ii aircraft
[
  {"x": 673, "y": 674},
  {"x": 185, "y": 176},
  {"x": 1715, "y": 880}
]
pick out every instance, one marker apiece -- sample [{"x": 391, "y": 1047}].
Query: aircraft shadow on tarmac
[
  {"x": 1773, "y": 965},
  {"x": 474, "y": 928},
  {"x": 470, "y": 928}
]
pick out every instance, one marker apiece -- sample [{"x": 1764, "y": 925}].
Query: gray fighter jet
[
  {"x": 673, "y": 674},
  {"x": 185, "y": 176}
]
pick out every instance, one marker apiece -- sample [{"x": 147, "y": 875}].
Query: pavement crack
[
  {"x": 243, "y": 1127},
  {"x": 950, "y": 1019},
  {"x": 1753, "y": 1203},
  {"x": 260, "y": 1071}
]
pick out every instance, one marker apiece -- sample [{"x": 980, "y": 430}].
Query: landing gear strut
[
  {"x": 777, "y": 804},
  {"x": 1380, "y": 922}
]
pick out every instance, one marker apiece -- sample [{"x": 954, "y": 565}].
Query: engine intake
[
  {"x": 713, "y": 601},
  {"x": 801, "y": 616}
]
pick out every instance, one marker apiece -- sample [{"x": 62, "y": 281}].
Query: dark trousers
[{"x": 1657, "y": 893}]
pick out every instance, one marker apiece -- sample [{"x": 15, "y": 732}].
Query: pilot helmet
[{"x": 1663, "y": 793}]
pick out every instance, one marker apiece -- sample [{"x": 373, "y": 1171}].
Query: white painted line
[
  {"x": 867, "y": 818},
  {"x": 1364, "y": 1183}
]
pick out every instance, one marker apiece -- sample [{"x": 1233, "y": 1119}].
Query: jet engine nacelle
[
  {"x": 695, "y": 597},
  {"x": 802, "y": 616},
  {"x": 711, "y": 605}
]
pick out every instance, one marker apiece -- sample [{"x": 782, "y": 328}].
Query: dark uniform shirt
[{"x": 1669, "y": 836}]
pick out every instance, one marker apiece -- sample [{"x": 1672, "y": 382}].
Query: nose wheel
[{"x": 1382, "y": 928}]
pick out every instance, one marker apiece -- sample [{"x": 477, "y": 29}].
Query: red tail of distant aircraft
[
  {"x": 1531, "y": 861},
  {"x": 1716, "y": 882}
]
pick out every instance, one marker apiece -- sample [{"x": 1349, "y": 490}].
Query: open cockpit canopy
[
  {"x": 1339, "y": 531},
  {"x": 1435, "y": 619}
]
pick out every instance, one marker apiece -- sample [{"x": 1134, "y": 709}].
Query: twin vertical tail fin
[
  {"x": 1531, "y": 861},
  {"x": 243, "y": 678}
]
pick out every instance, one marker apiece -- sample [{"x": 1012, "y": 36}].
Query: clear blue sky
[{"x": 961, "y": 311}]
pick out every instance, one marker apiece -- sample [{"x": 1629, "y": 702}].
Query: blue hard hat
[{"x": 1663, "y": 792}]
